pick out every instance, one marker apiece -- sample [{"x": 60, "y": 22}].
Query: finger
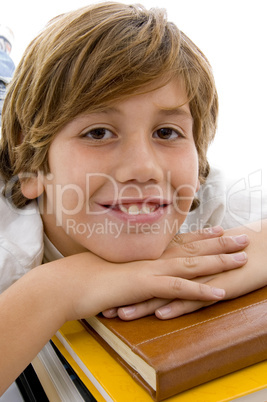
[
  {"x": 192, "y": 267},
  {"x": 219, "y": 245},
  {"x": 176, "y": 308},
  {"x": 235, "y": 284},
  {"x": 110, "y": 313},
  {"x": 142, "y": 309},
  {"x": 206, "y": 233},
  {"x": 167, "y": 287}
]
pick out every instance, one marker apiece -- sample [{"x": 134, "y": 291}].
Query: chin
[
  {"x": 129, "y": 254},
  {"x": 130, "y": 247}
]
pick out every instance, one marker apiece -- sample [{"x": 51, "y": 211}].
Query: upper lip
[{"x": 130, "y": 201}]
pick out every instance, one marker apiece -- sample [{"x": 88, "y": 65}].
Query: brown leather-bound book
[{"x": 168, "y": 357}]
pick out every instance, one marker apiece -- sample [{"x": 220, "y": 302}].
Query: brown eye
[
  {"x": 99, "y": 134},
  {"x": 166, "y": 133}
]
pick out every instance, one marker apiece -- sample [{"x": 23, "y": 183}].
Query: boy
[{"x": 107, "y": 123}]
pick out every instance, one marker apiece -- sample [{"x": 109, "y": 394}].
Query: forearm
[
  {"x": 30, "y": 315},
  {"x": 37, "y": 305}
]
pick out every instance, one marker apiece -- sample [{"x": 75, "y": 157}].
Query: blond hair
[{"x": 86, "y": 59}]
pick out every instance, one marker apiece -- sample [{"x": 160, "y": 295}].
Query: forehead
[
  {"x": 163, "y": 98},
  {"x": 168, "y": 99},
  {"x": 155, "y": 103},
  {"x": 171, "y": 93}
]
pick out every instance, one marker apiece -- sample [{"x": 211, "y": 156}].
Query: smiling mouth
[{"x": 136, "y": 208}]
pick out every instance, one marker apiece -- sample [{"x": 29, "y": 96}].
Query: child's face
[{"x": 122, "y": 181}]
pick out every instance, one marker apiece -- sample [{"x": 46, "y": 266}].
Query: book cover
[
  {"x": 169, "y": 357},
  {"x": 108, "y": 381},
  {"x": 100, "y": 373}
]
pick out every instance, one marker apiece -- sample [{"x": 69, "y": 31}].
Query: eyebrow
[{"x": 175, "y": 111}]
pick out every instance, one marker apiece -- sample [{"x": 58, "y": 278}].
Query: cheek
[
  {"x": 184, "y": 174},
  {"x": 185, "y": 182},
  {"x": 68, "y": 171}
]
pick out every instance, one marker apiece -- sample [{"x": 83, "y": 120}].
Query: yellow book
[{"x": 108, "y": 381}]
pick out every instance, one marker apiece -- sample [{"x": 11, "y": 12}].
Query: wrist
[{"x": 43, "y": 289}]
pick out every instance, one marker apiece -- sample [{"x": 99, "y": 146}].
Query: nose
[{"x": 139, "y": 162}]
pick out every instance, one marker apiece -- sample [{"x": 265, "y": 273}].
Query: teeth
[
  {"x": 147, "y": 210},
  {"x": 135, "y": 210},
  {"x": 123, "y": 209}
]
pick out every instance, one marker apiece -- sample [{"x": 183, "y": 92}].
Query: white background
[{"x": 232, "y": 34}]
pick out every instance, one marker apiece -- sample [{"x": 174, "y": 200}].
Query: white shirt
[{"x": 21, "y": 240}]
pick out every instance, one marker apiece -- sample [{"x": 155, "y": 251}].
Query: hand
[
  {"x": 109, "y": 284},
  {"x": 199, "y": 255}
]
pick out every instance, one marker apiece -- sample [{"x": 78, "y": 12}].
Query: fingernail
[
  {"x": 112, "y": 312},
  {"x": 128, "y": 311},
  {"x": 164, "y": 311},
  {"x": 240, "y": 256},
  {"x": 241, "y": 239},
  {"x": 218, "y": 292},
  {"x": 214, "y": 229}
]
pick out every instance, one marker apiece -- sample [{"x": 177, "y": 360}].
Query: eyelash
[
  {"x": 95, "y": 130},
  {"x": 170, "y": 133},
  {"x": 103, "y": 131}
]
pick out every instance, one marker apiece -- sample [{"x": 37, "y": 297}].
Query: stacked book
[{"x": 218, "y": 353}]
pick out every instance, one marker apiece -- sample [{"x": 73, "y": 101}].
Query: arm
[
  {"x": 38, "y": 304},
  {"x": 237, "y": 282}
]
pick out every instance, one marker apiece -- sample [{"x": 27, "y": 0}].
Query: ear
[{"x": 31, "y": 185}]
